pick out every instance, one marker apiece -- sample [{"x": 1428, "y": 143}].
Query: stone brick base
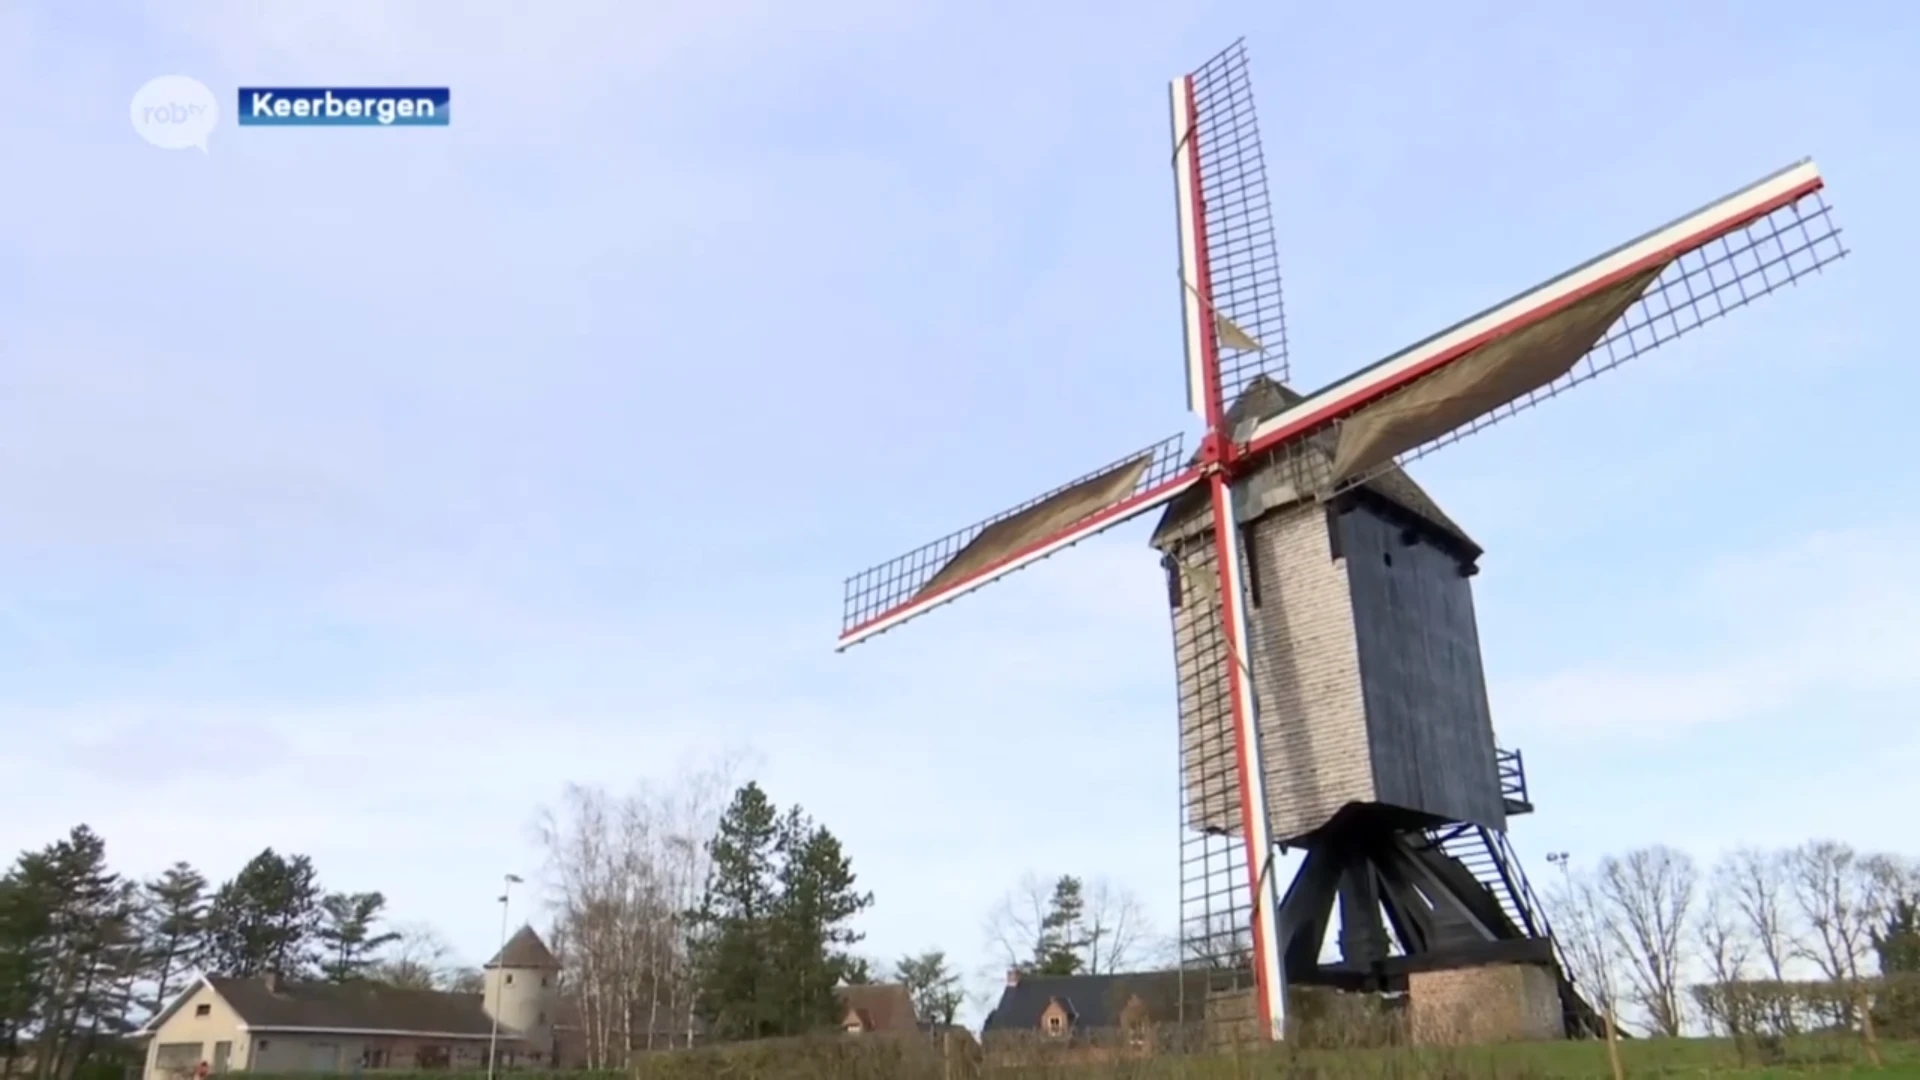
[{"x": 1491, "y": 1003}]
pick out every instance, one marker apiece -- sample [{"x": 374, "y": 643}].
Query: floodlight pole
[{"x": 500, "y": 964}]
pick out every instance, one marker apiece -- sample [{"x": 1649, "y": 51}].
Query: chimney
[
  {"x": 1013, "y": 976},
  {"x": 272, "y": 981}
]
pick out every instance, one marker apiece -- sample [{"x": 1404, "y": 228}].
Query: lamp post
[{"x": 493, "y": 1037}]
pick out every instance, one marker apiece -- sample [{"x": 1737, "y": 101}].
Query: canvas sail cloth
[
  {"x": 1048, "y": 517},
  {"x": 1497, "y": 372}
]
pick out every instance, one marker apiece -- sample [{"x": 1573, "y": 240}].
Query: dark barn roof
[
  {"x": 356, "y": 1006},
  {"x": 1094, "y": 1001}
]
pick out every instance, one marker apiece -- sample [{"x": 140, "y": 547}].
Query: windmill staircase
[{"x": 1489, "y": 856}]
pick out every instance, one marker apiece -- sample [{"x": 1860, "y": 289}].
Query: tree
[
  {"x": 1067, "y": 926},
  {"x": 772, "y": 934},
  {"x": 26, "y": 924},
  {"x": 467, "y": 980},
  {"x": 1726, "y": 951},
  {"x": 1754, "y": 883},
  {"x": 1062, "y": 935},
  {"x": 1896, "y": 943},
  {"x": 1839, "y": 896},
  {"x": 733, "y": 919},
  {"x": 173, "y": 929},
  {"x": 88, "y": 949},
  {"x": 346, "y": 934},
  {"x": 935, "y": 989},
  {"x": 1648, "y": 896},
  {"x": 810, "y": 934},
  {"x": 623, "y": 874},
  {"x": 416, "y": 958},
  {"x": 265, "y": 919}
]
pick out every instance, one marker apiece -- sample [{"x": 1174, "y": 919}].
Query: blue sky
[{"x": 361, "y": 488}]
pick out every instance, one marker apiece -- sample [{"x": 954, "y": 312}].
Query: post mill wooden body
[{"x": 1331, "y": 692}]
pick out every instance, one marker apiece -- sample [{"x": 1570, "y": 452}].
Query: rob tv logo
[{"x": 174, "y": 112}]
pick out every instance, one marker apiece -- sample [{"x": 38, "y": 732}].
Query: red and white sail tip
[{"x": 899, "y": 589}]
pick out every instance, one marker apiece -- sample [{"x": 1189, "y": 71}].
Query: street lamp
[
  {"x": 493, "y": 1037},
  {"x": 1559, "y": 859}
]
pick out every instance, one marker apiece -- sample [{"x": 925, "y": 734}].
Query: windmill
[{"x": 1330, "y": 683}]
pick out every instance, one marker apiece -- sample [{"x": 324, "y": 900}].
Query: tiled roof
[
  {"x": 1094, "y": 1000},
  {"x": 886, "y": 1007},
  {"x": 355, "y": 1006}
]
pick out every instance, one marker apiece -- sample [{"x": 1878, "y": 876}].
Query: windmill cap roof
[
  {"x": 525, "y": 950},
  {"x": 1263, "y": 398}
]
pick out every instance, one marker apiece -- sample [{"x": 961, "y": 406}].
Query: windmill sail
[
  {"x": 899, "y": 589},
  {"x": 1229, "y": 262},
  {"x": 1588, "y": 320}
]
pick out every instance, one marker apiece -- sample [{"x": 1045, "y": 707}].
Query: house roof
[
  {"x": 1094, "y": 1000},
  {"x": 354, "y": 1006},
  {"x": 1264, "y": 398},
  {"x": 525, "y": 950},
  {"x": 886, "y": 1007}
]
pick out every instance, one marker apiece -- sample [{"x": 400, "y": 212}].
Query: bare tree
[
  {"x": 1838, "y": 895},
  {"x": 1117, "y": 934},
  {"x": 1726, "y": 949},
  {"x": 418, "y": 958},
  {"x": 1754, "y": 884},
  {"x": 1014, "y": 926},
  {"x": 1592, "y": 957},
  {"x": 1647, "y": 898},
  {"x": 622, "y": 873},
  {"x": 1109, "y": 930}
]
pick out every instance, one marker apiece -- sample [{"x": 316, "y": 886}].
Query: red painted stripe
[
  {"x": 1243, "y": 741},
  {"x": 1111, "y": 516},
  {"x": 1671, "y": 251}
]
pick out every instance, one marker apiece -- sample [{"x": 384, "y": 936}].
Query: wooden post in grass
[
  {"x": 1613, "y": 1042},
  {"x": 1866, "y": 1022}
]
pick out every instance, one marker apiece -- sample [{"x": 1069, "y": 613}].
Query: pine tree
[
  {"x": 26, "y": 927},
  {"x": 347, "y": 936},
  {"x": 810, "y": 937},
  {"x": 173, "y": 929},
  {"x": 934, "y": 988},
  {"x": 90, "y": 950},
  {"x": 1062, "y": 942},
  {"x": 729, "y": 928},
  {"x": 771, "y": 937},
  {"x": 266, "y": 918}
]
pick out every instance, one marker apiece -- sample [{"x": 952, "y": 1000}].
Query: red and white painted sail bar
[
  {"x": 1150, "y": 494},
  {"x": 1195, "y": 319},
  {"x": 1661, "y": 246}
]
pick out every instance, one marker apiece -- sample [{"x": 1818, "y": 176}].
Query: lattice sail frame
[
  {"x": 1235, "y": 269},
  {"x": 1699, "y": 285},
  {"x": 884, "y": 596}
]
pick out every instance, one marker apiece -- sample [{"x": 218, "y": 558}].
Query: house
[
  {"x": 877, "y": 1009},
  {"x": 1082, "y": 1015},
  {"x": 275, "y": 1025}
]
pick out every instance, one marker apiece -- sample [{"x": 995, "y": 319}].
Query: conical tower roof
[{"x": 525, "y": 950}]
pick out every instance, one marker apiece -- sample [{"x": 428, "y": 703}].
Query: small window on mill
[{"x": 202, "y": 1009}]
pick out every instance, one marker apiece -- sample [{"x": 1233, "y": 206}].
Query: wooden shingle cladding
[{"x": 1363, "y": 647}]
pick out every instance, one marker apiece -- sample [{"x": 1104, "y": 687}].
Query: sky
[{"x": 360, "y": 489}]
